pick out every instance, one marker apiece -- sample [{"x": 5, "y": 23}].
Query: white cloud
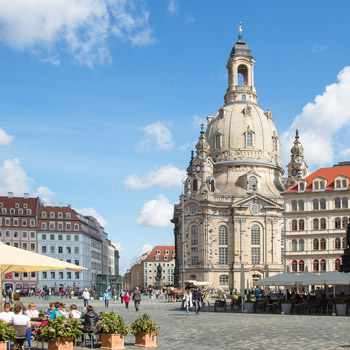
[
  {"x": 173, "y": 7},
  {"x": 52, "y": 60},
  {"x": 159, "y": 135},
  {"x": 144, "y": 249},
  {"x": 118, "y": 246},
  {"x": 92, "y": 212},
  {"x": 82, "y": 28},
  {"x": 13, "y": 178},
  {"x": 168, "y": 177},
  {"x": 45, "y": 194},
  {"x": 320, "y": 121},
  {"x": 156, "y": 213},
  {"x": 198, "y": 121},
  {"x": 318, "y": 48},
  {"x": 125, "y": 262},
  {"x": 5, "y": 138}
]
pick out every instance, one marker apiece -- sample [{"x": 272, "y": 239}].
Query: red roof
[
  {"x": 161, "y": 249},
  {"x": 329, "y": 174}
]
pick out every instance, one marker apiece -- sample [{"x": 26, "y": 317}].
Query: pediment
[{"x": 263, "y": 201}]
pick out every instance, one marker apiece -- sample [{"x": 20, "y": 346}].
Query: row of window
[
  {"x": 317, "y": 265},
  {"x": 16, "y": 222},
  {"x": 319, "y": 224},
  {"x": 19, "y": 211},
  {"x": 320, "y": 204},
  {"x": 222, "y": 235},
  {"x": 52, "y": 226},
  {"x": 24, "y": 275},
  {"x": 52, "y": 237},
  {"x": 317, "y": 244},
  {"x": 23, "y": 245},
  {"x": 60, "y": 275},
  {"x": 17, "y": 235},
  {"x": 60, "y": 250},
  {"x": 17, "y": 205},
  {"x": 52, "y": 215}
]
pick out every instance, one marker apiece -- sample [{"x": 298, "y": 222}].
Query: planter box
[
  {"x": 60, "y": 344},
  {"x": 112, "y": 341},
  {"x": 146, "y": 340},
  {"x": 341, "y": 309},
  {"x": 286, "y": 308},
  {"x": 249, "y": 307},
  {"x": 3, "y": 345}
]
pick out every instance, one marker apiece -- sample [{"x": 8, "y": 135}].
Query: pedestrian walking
[
  {"x": 115, "y": 295},
  {"x": 86, "y": 297},
  {"x": 121, "y": 296},
  {"x": 136, "y": 297},
  {"x": 106, "y": 297},
  {"x": 187, "y": 301},
  {"x": 198, "y": 300},
  {"x": 126, "y": 299}
]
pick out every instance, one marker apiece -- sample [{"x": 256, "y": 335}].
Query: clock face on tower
[
  {"x": 294, "y": 171},
  {"x": 208, "y": 169},
  {"x": 198, "y": 168}
]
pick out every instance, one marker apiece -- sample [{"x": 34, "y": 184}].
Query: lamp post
[{"x": 183, "y": 232}]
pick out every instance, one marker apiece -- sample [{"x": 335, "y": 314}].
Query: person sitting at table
[
  {"x": 50, "y": 309},
  {"x": 61, "y": 311},
  {"x": 31, "y": 312},
  {"x": 53, "y": 312},
  {"x": 90, "y": 319},
  {"x": 20, "y": 320},
  {"x": 17, "y": 301},
  {"x": 7, "y": 314},
  {"x": 74, "y": 312}
]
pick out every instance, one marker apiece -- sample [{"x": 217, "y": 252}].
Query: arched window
[
  {"x": 223, "y": 280},
  {"x": 194, "y": 235},
  {"x": 294, "y": 245},
  {"x": 337, "y": 184},
  {"x": 315, "y": 204},
  {"x": 218, "y": 141},
  {"x": 323, "y": 224},
  {"x": 301, "y": 186},
  {"x": 252, "y": 183},
  {"x": 255, "y": 235},
  {"x": 315, "y": 265},
  {"x": 301, "y": 225},
  {"x": 344, "y": 202},
  {"x": 337, "y": 223},
  {"x": 337, "y": 203},
  {"x": 344, "y": 222},
  {"x": 294, "y": 225},
  {"x": 244, "y": 97},
  {"x": 212, "y": 186},
  {"x": 301, "y": 245},
  {"x": 316, "y": 185},
  {"x": 43, "y": 214},
  {"x": 301, "y": 205},
  {"x": 337, "y": 265},
  {"x": 322, "y": 203},
  {"x": 323, "y": 265},
  {"x": 301, "y": 266},
  {"x": 275, "y": 148},
  {"x": 344, "y": 182},
  {"x": 315, "y": 224},
  {"x": 294, "y": 206},
  {"x": 343, "y": 243},
  {"x": 222, "y": 235},
  {"x": 323, "y": 244},
  {"x": 322, "y": 185},
  {"x": 294, "y": 266},
  {"x": 249, "y": 139},
  {"x": 315, "y": 244},
  {"x": 337, "y": 243},
  {"x": 195, "y": 185}
]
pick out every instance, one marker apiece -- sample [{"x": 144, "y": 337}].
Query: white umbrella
[
  {"x": 284, "y": 279},
  {"x": 333, "y": 278},
  {"x": 307, "y": 279}
]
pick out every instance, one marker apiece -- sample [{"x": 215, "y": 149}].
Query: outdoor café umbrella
[
  {"x": 284, "y": 279},
  {"x": 333, "y": 278},
  {"x": 19, "y": 260}
]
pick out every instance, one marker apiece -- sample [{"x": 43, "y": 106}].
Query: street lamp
[{"x": 184, "y": 180}]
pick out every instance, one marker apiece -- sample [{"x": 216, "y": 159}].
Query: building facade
[
  {"x": 230, "y": 215},
  {"x": 317, "y": 214}
]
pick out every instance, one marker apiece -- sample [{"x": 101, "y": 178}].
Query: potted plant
[
  {"x": 112, "y": 329},
  {"x": 145, "y": 331},
  {"x": 60, "y": 333},
  {"x": 286, "y": 306},
  {"x": 6, "y": 333},
  {"x": 249, "y": 305},
  {"x": 341, "y": 306}
]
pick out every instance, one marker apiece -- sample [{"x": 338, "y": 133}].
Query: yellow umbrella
[{"x": 19, "y": 260}]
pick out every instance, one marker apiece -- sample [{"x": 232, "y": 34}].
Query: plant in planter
[
  {"x": 60, "y": 333},
  {"x": 286, "y": 306},
  {"x": 341, "y": 306},
  {"x": 145, "y": 331},
  {"x": 6, "y": 333},
  {"x": 112, "y": 329},
  {"x": 249, "y": 305}
]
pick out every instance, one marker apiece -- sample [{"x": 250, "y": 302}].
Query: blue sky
[{"x": 101, "y": 101}]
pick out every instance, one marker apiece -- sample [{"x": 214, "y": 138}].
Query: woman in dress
[{"x": 127, "y": 299}]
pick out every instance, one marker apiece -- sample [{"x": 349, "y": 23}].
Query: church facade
[{"x": 229, "y": 222}]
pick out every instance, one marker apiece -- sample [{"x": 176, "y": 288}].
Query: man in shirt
[
  {"x": 7, "y": 315},
  {"x": 137, "y": 298},
  {"x": 86, "y": 296}
]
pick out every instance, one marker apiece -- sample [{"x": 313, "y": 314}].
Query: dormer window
[
  {"x": 165, "y": 258},
  {"x": 345, "y": 184},
  {"x": 157, "y": 257},
  {"x": 158, "y": 252},
  {"x": 301, "y": 186},
  {"x": 43, "y": 215},
  {"x": 338, "y": 184},
  {"x": 316, "y": 185},
  {"x": 167, "y": 252}
]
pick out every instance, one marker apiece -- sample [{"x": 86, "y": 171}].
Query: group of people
[{"x": 191, "y": 299}]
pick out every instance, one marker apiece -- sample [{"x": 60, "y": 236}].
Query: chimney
[
  {"x": 26, "y": 195},
  {"x": 53, "y": 204},
  {"x": 10, "y": 194},
  {"x": 45, "y": 204},
  {"x": 68, "y": 205},
  {"x": 61, "y": 205}
]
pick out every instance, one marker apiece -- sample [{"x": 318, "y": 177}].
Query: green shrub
[
  {"x": 144, "y": 324},
  {"x": 110, "y": 323},
  {"x": 6, "y": 331},
  {"x": 61, "y": 328}
]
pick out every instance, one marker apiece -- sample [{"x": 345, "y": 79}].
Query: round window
[
  {"x": 192, "y": 209},
  {"x": 255, "y": 208}
]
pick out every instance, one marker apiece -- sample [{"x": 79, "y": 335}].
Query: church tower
[
  {"x": 297, "y": 167},
  {"x": 232, "y": 208}
]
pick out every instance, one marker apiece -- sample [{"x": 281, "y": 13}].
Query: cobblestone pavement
[{"x": 220, "y": 330}]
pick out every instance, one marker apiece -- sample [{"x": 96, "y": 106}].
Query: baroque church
[{"x": 229, "y": 221}]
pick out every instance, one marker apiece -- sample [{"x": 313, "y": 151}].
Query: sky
[{"x": 101, "y": 101}]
